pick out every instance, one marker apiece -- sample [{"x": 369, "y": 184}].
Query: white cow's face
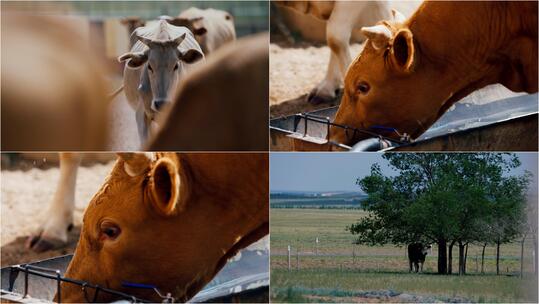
[{"x": 164, "y": 62}]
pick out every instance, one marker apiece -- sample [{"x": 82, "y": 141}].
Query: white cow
[
  {"x": 212, "y": 28},
  {"x": 341, "y": 18},
  {"x": 156, "y": 63},
  {"x": 59, "y": 214}
]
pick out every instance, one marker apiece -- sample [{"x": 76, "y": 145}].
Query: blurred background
[
  {"x": 98, "y": 31},
  {"x": 102, "y": 19}
]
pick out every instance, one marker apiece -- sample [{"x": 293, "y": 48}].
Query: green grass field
[{"x": 343, "y": 269}]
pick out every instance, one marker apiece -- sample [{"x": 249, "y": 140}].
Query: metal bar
[
  {"x": 305, "y": 130},
  {"x": 25, "y": 284},
  {"x": 33, "y": 267},
  {"x": 57, "y": 276},
  {"x": 13, "y": 274},
  {"x": 97, "y": 288},
  {"x": 58, "y": 283},
  {"x": 325, "y": 120}
]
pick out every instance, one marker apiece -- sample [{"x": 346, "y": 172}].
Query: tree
[
  {"x": 440, "y": 198},
  {"x": 508, "y": 209}
]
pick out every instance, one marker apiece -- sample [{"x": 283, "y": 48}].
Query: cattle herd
[{"x": 195, "y": 192}]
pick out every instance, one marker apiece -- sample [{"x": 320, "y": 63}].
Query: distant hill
[{"x": 311, "y": 199}]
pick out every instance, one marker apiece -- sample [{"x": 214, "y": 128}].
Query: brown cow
[
  {"x": 54, "y": 93},
  {"x": 411, "y": 71},
  {"x": 171, "y": 220}
]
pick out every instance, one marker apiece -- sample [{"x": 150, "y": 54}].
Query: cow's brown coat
[
  {"x": 222, "y": 207},
  {"x": 445, "y": 51}
]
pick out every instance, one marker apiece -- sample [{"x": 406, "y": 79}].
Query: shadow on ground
[
  {"x": 300, "y": 105},
  {"x": 15, "y": 252}
]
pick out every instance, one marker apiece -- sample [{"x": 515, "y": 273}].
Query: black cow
[{"x": 416, "y": 255}]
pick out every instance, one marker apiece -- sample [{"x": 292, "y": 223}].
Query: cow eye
[
  {"x": 150, "y": 68},
  {"x": 109, "y": 230},
  {"x": 363, "y": 87},
  {"x": 176, "y": 66}
]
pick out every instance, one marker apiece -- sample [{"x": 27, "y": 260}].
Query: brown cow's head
[
  {"x": 168, "y": 220},
  {"x": 385, "y": 86}
]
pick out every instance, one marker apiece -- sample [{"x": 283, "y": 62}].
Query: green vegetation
[
  {"x": 334, "y": 285},
  {"x": 451, "y": 199},
  {"x": 347, "y": 200},
  {"x": 335, "y": 273}
]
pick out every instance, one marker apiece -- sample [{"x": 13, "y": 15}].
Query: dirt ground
[
  {"x": 296, "y": 69},
  {"x": 24, "y": 197}
]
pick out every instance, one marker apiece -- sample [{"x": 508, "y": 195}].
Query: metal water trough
[
  {"x": 504, "y": 125},
  {"x": 243, "y": 279}
]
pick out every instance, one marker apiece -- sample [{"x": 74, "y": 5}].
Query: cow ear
[
  {"x": 378, "y": 35},
  {"x": 177, "y": 21},
  {"x": 403, "y": 51},
  {"x": 200, "y": 31},
  {"x": 134, "y": 60},
  {"x": 191, "y": 56},
  {"x": 164, "y": 187}
]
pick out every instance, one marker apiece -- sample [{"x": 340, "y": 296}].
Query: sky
[{"x": 339, "y": 171}]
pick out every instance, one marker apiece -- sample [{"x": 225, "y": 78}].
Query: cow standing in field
[
  {"x": 412, "y": 71},
  {"x": 416, "y": 255},
  {"x": 157, "y": 62},
  {"x": 341, "y": 17},
  {"x": 212, "y": 28},
  {"x": 171, "y": 220}
]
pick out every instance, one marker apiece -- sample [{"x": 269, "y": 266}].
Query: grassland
[{"x": 342, "y": 269}]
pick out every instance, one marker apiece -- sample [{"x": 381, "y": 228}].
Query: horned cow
[
  {"x": 412, "y": 71},
  {"x": 171, "y": 220},
  {"x": 157, "y": 62}
]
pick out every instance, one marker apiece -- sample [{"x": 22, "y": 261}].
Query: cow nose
[{"x": 157, "y": 104}]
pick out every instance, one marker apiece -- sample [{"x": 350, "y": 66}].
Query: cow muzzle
[{"x": 158, "y": 104}]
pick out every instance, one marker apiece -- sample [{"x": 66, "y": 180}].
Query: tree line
[{"x": 450, "y": 199}]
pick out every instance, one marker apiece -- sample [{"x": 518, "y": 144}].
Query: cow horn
[
  {"x": 136, "y": 163},
  {"x": 179, "y": 40},
  {"x": 143, "y": 39},
  {"x": 398, "y": 16},
  {"x": 379, "y": 35}
]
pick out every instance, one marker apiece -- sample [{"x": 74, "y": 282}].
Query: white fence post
[{"x": 288, "y": 257}]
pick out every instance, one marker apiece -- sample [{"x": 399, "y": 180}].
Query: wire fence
[{"x": 295, "y": 259}]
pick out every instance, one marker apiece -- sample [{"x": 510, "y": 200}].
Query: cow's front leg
[
  {"x": 59, "y": 214},
  {"x": 338, "y": 31},
  {"x": 327, "y": 89},
  {"x": 421, "y": 270},
  {"x": 411, "y": 265}
]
